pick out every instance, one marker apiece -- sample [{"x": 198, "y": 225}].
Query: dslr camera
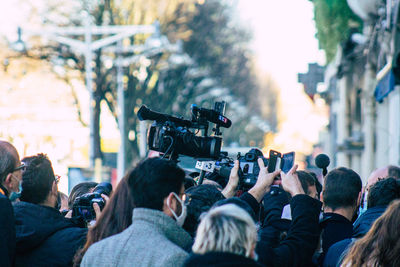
[
  {"x": 248, "y": 167},
  {"x": 83, "y": 205}
]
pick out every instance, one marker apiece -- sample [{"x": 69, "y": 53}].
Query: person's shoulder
[
  {"x": 335, "y": 252},
  {"x": 174, "y": 258},
  {"x": 72, "y": 232},
  {"x": 110, "y": 243},
  {"x": 110, "y": 246},
  {"x": 5, "y": 202}
]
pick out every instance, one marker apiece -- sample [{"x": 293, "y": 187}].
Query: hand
[
  {"x": 264, "y": 181},
  {"x": 96, "y": 206},
  {"x": 230, "y": 188},
  {"x": 291, "y": 183},
  {"x": 69, "y": 214}
]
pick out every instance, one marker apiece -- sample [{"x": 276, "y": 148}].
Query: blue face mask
[
  {"x": 363, "y": 207},
  {"x": 15, "y": 195}
]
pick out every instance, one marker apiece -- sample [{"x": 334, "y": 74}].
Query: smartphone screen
[
  {"x": 287, "y": 162},
  {"x": 274, "y": 158}
]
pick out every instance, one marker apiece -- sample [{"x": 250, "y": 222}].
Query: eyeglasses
[
  {"x": 20, "y": 167},
  {"x": 57, "y": 178}
]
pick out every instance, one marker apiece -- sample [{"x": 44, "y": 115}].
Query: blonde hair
[{"x": 227, "y": 228}]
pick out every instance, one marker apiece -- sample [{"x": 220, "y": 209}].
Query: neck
[
  {"x": 48, "y": 202},
  {"x": 347, "y": 212}
]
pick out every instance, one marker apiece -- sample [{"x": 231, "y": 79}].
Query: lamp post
[{"x": 68, "y": 36}]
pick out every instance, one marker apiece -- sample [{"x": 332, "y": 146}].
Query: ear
[
  {"x": 8, "y": 181},
  {"x": 320, "y": 196},
  {"x": 170, "y": 199}
]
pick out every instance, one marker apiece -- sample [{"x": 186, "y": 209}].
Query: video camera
[
  {"x": 173, "y": 136},
  {"x": 83, "y": 205}
]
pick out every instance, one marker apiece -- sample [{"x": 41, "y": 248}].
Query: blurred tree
[
  {"x": 217, "y": 47},
  {"x": 334, "y": 19}
]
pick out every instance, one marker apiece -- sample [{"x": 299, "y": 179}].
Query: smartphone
[
  {"x": 274, "y": 161},
  {"x": 287, "y": 162}
]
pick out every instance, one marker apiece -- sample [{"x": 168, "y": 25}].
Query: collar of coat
[
  {"x": 165, "y": 224},
  {"x": 3, "y": 190}
]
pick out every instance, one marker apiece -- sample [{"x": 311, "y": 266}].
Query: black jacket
[
  {"x": 219, "y": 259},
  {"x": 273, "y": 226},
  {"x": 302, "y": 238},
  {"x": 335, "y": 228},
  {"x": 7, "y": 230},
  {"x": 360, "y": 227},
  {"x": 44, "y": 236}
]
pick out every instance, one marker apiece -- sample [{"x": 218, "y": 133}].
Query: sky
[{"x": 284, "y": 44}]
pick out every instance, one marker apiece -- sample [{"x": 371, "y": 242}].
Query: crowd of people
[{"x": 159, "y": 216}]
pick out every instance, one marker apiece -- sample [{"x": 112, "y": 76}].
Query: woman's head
[
  {"x": 380, "y": 246},
  {"x": 116, "y": 217},
  {"x": 227, "y": 228}
]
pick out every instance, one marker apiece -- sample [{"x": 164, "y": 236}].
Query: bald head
[
  {"x": 376, "y": 175},
  {"x": 9, "y": 159}
]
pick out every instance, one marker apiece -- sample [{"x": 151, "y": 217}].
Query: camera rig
[{"x": 173, "y": 136}]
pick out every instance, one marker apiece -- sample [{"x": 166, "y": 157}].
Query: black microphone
[
  {"x": 212, "y": 116},
  {"x": 322, "y": 161},
  {"x": 145, "y": 113}
]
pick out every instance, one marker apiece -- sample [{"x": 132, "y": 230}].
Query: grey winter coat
[{"x": 153, "y": 239}]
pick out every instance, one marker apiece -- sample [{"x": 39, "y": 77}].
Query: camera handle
[{"x": 202, "y": 174}]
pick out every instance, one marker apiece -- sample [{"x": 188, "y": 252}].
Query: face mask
[
  {"x": 363, "y": 207},
  {"x": 16, "y": 195},
  {"x": 181, "y": 218}
]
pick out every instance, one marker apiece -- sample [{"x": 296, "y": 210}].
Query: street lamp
[{"x": 67, "y": 36}]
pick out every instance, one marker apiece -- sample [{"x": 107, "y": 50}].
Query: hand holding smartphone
[{"x": 278, "y": 161}]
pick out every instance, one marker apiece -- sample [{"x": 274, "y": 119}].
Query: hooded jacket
[
  {"x": 44, "y": 237},
  {"x": 361, "y": 226},
  {"x": 7, "y": 230}
]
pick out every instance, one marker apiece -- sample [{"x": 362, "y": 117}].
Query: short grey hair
[
  {"x": 8, "y": 160},
  {"x": 227, "y": 228}
]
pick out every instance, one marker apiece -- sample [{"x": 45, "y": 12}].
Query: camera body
[
  {"x": 168, "y": 139},
  {"x": 173, "y": 136},
  {"x": 249, "y": 168},
  {"x": 83, "y": 205}
]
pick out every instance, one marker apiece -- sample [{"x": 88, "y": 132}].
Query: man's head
[
  {"x": 39, "y": 182},
  {"x": 200, "y": 199},
  {"x": 157, "y": 184},
  {"x": 308, "y": 183},
  {"x": 342, "y": 189},
  {"x": 394, "y": 171},
  {"x": 10, "y": 167},
  {"x": 383, "y": 192}
]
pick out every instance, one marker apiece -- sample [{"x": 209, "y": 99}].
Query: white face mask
[{"x": 181, "y": 218}]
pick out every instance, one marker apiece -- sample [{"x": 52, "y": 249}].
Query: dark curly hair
[{"x": 37, "y": 179}]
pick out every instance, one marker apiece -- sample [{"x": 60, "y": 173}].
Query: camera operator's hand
[
  {"x": 291, "y": 183},
  {"x": 230, "y": 188},
  {"x": 69, "y": 214},
  {"x": 96, "y": 207},
  {"x": 264, "y": 181}
]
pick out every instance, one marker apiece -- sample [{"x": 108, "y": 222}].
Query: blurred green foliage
[{"x": 333, "y": 19}]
